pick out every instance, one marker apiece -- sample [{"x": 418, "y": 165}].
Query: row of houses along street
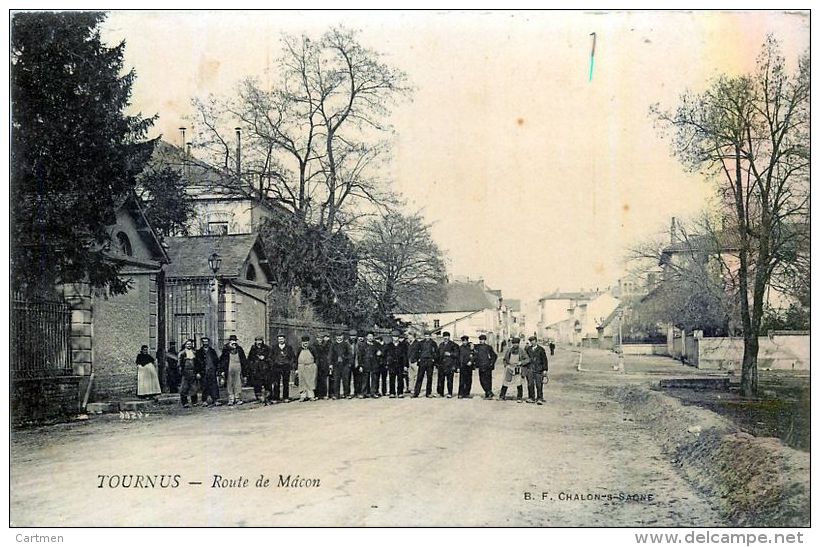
[{"x": 215, "y": 282}]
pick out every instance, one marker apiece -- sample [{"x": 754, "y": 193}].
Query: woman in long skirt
[{"x": 147, "y": 377}]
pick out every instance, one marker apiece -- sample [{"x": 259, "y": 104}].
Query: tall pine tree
[{"x": 74, "y": 152}]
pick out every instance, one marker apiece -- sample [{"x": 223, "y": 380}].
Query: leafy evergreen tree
[{"x": 75, "y": 154}]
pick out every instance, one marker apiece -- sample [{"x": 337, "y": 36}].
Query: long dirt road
[{"x": 576, "y": 461}]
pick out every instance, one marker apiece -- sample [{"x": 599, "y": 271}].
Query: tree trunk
[{"x": 748, "y": 375}]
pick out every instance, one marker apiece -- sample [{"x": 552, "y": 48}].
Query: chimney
[
  {"x": 673, "y": 232},
  {"x": 186, "y": 150},
  {"x": 238, "y": 152}
]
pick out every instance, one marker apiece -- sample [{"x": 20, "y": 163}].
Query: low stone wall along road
[{"x": 578, "y": 460}]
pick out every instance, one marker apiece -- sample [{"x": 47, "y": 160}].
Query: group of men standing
[{"x": 355, "y": 366}]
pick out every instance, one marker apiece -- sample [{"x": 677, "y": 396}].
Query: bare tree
[
  {"x": 694, "y": 286},
  {"x": 400, "y": 264},
  {"x": 750, "y": 134},
  {"x": 315, "y": 140}
]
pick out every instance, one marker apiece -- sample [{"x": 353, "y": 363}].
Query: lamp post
[
  {"x": 621, "y": 366},
  {"x": 214, "y": 262}
]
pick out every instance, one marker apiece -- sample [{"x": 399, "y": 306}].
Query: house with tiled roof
[
  {"x": 469, "y": 308},
  {"x": 222, "y": 202},
  {"x": 107, "y": 330},
  {"x": 217, "y": 286}
]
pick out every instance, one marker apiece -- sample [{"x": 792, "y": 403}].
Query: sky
[{"x": 535, "y": 177}]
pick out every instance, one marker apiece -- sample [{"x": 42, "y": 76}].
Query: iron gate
[
  {"x": 187, "y": 309},
  {"x": 40, "y": 337}
]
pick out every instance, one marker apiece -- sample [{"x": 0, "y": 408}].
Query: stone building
[
  {"x": 232, "y": 300},
  {"x": 107, "y": 330}
]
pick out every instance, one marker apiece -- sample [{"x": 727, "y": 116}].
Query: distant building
[
  {"x": 470, "y": 308},
  {"x": 517, "y": 320},
  {"x": 223, "y": 204},
  {"x": 571, "y": 317}
]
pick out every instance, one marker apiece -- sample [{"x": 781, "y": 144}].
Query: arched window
[
  {"x": 124, "y": 244},
  {"x": 250, "y": 274}
]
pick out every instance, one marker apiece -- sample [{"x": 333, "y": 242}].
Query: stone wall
[
  {"x": 122, "y": 324},
  {"x": 645, "y": 349},
  {"x": 783, "y": 351},
  {"x": 42, "y": 399}
]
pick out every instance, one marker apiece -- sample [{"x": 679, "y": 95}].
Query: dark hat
[
  {"x": 281, "y": 335},
  {"x": 306, "y": 338},
  {"x": 232, "y": 337},
  {"x": 533, "y": 339},
  {"x": 516, "y": 340},
  {"x": 259, "y": 338},
  {"x": 465, "y": 337},
  {"x": 446, "y": 334},
  {"x": 482, "y": 337}
]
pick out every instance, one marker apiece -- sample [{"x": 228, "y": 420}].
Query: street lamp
[
  {"x": 214, "y": 262},
  {"x": 621, "y": 366}
]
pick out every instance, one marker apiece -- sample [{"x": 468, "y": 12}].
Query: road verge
[{"x": 752, "y": 481}]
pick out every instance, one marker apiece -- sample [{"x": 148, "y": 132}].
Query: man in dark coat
[
  {"x": 485, "y": 358},
  {"x": 284, "y": 361},
  {"x": 394, "y": 361},
  {"x": 447, "y": 365},
  {"x": 381, "y": 365},
  {"x": 353, "y": 342},
  {"x": 539, "y": 366},
  {"x": 427, "y": 356},
  {"x": 368, "y": 367},
  {"x": 552, "y": 347},
  {"x": 172, "y": 371},
  {"x": 339, "y": 357},
  {"x": 207, "y": 365},
  {"x": 465, "y": 368},
  {"x": 260, "y": 370},
  {"x": 324, "y": 383},
  {"x": 404, "y": 354}
]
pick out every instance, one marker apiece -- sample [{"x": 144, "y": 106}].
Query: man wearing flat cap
[
  {"x": 284, "y": 360},
  {"x": 427, "y": 357},
  {"x": 207, "y": 365},
  {"x": 394, "y": 361},
  {"x": 448, "y": 363},
  {"x": 324, "y": 384},
  {"x": 466, "y": 357},
  {"x": 404, "y": 350},
  {"x": 340, "y": 356},
  {"x": 233, "y": 365},
  {"x": 355, "y": 346},
  {"x": 306, "y": 360},
  {"x": 515, "y": 361},
  {"x": 538, "y": 369},
  {"x": 485, "y": 358},
  {"x": 260, "y": 370}
]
